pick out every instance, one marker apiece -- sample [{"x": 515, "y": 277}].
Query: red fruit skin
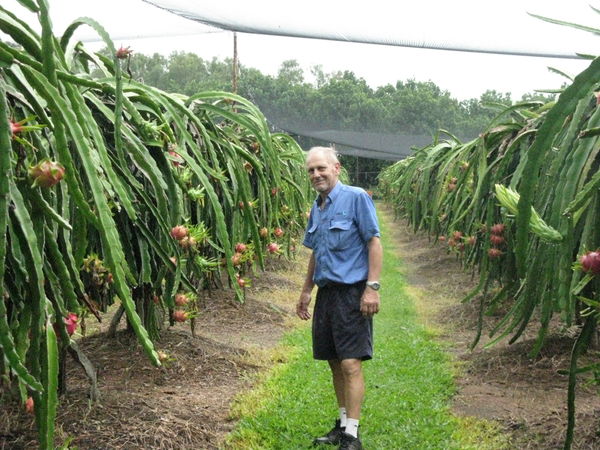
[
  {"x": 596, "y": 264},
  {"x": 236, "y": 259},
  {"x": 272, "y": 247},
  {"x": 187, "y": 242},
  {"x": 278, "y": 232},
  {"x": 177, "y": 160},
  {"x": 240, "y": 248},
  {"x": 181, "y": 300},
  {"x": 73, "y": 317},
  {"x": 123, "y": 52},
  {"x": 457, "y": 235},
  {"x": 71, "y": 328},
  {"x": 47, "y": 173},
  {"x": 29, "y": 406},
  {"x": 179, "y": 232},
  {"x": 498, "y": 228},
  {"x": 442, "y": 238},
  {"x": 494, "y": 253},
  {"x": 590, "y": 262},
  {"x": 71, "y": 323},
  {"x": 179, "y": 316},
  {"x": 496, "y": 240},
  {"x": 15, "y": 127},
  {"x": 241, "y": 282}
]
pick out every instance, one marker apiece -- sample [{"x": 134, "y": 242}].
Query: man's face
[{"x": 322, "y": 172}]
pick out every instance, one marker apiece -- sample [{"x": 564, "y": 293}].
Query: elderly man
[{"x": 345, "y": 264}]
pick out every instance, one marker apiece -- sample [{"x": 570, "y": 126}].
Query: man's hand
[
  {"x": 302, "y": 306},
  {"x": 369, "y": 303}
]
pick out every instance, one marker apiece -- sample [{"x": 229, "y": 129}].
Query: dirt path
[{"x": 185, "y": 405}]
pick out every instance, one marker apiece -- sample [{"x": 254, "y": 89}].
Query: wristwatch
[{"x": 375, "y": 285}]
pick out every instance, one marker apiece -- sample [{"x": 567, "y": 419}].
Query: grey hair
[{"x": 328, "y": 152}]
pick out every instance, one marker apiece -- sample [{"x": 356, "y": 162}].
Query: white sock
[
  {"x": 343, "y": 417},
  {"x": 352, "y": 426}
]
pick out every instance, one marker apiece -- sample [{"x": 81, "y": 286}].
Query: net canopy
[
  {"x": 420, "y": 27},
  {"x": 364, "y": 144}
]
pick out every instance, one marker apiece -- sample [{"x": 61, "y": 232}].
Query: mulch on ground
[{"x": 184, "y": 404}]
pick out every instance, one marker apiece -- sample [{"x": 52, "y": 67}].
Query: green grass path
[{"x": 408, "y": 384}]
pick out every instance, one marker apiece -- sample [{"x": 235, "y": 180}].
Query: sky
[{"x": 471, "y": 23}]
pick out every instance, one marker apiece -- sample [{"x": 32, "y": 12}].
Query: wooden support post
[{"x": 235, "y": 64}]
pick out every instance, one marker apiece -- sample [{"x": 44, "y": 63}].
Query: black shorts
[{"x": 339, "y": 330}]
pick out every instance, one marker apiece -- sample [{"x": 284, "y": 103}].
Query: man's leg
[
  {"x": 334, "y": 436},
  {"x": 354, "y": 392},
  {"x": 338, "y": 381}
]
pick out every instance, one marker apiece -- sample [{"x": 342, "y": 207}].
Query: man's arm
[
  {"x": 369, "y": 304},
  {"x": 304, "y": 300}
]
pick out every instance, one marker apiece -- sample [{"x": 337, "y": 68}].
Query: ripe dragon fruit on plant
[{"x": 46, "y": 173}]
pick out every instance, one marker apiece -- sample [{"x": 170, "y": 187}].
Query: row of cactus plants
[
  {"x": 520, "y": 205},
  {"x": 114, "y": 190}
]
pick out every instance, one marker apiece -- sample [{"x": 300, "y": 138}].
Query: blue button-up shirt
[{"x": 338, "y": 235}]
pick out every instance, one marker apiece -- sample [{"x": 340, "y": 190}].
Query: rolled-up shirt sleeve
[
  {"x": 309, "y": 235},
  {"x": 368, "y": 225}
]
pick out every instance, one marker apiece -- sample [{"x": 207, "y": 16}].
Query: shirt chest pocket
[
  {"x": 309, "y": 238},
  {"x": 339, "y": 235}
]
